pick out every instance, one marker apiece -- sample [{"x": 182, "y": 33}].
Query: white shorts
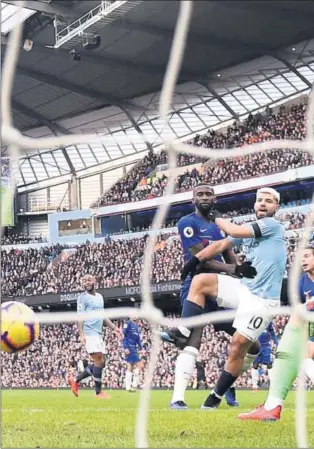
[
  {"x": 94, "y": 343},
  {"x": 253, "y": 313}
]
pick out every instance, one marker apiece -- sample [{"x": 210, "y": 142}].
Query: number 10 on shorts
[{"x": 255, "y": 322}]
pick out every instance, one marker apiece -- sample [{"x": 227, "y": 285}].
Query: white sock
[
  {"x": 308, "y": 368},
  {"x": 254, "y": 375},
  {"x": 128, "y": 379},
  {"x": 248, "y": 360},
  {"x": 136, "y": 375},
  {"x": 184, "y": 370},
  {"x": 272, "y": 403}
]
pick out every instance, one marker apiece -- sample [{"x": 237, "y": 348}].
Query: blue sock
[
  {"x": 191, "y": 309},
  {"x": 86, "y": 373},
  {"x": 225, "y": 381},
  {"x": 97, "y": 372}
]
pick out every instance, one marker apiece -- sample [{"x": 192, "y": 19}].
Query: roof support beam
[
  {"x": 221, "y": 101},
  {"x": 137, "y": 128},
  {"x": 50, "y": 9},
  {"x": 54, "y": 127},
  {"x": 80, "y": 90},
  {"x": 293, "y": 69}
]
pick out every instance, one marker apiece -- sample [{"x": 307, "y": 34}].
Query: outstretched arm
[
  {"x": 213, "y": 264},
  {"x": 214, "y": 249},
  {"x": 237, "y": 231}
]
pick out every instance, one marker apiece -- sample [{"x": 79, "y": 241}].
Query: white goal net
[{"x": 16, "y": 141}]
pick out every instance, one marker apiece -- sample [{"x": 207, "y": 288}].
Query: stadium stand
[
  {"x": 114, "y": 263},
  {"x": 287, "y": 123},
  {"x": 59, "y": 350}
]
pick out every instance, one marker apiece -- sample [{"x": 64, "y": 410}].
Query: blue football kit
[
  {"x": 306, "y": 292},
  {"x": 265, "y": 355},
  {"x": 194, "y": 230},
  {"x": 132, "y": 341}
]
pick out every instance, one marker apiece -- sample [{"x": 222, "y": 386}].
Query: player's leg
[
  {"x": 137, "y": 367},
  {"x": 128, "y": 376},
  {"x": 99, "y": 363},
  {"x": 96, "y": 349},
  {"x": 184, "y": 369},
  {"x": 252, "y": 317},
  {"x": 185, "y": 362},
  {"x": 308, "y": 363},
  {"x": 250, "y": 356},
  {"x": 254, "y": 374},
  {"x": 223, "y": 291},
  {"x": 285, "y": 370},
  {"x": 269, "y": 367}
]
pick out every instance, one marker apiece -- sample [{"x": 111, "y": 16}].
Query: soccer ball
[{"x": 19, "y": 327}]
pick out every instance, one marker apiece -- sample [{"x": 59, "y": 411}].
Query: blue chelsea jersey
[
  {"x": 194, "y": 230},
  {"x": 306, "y": 291},
  {"x": 89, "y": 303},
  {"x": 131, "y": 336}
]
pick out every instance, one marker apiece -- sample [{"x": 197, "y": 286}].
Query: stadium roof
[{"x": 51, "y": 88}]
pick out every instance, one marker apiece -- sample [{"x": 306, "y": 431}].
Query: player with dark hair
[
  {"x": 265, "y": 356},
  {"x": 132, "y": 344},
  {"x": 91, "y": 336},
  {"x": 288, "y": 360},
  {"x": 263, "y": 242},
  {"x": 197, "y": 231}
]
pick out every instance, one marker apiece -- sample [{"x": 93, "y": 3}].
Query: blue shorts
[
  {"x": 311, "y": 339},
  {"x": 133, "y": 358},
  {"x": 264, "y": 357},
  {"x": 210, "y": 306}
]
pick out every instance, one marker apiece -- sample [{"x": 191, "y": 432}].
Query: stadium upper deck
[{"x": 51, "y": 88}]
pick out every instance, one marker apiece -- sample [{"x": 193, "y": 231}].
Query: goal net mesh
[{"x": 16, "y": 141}]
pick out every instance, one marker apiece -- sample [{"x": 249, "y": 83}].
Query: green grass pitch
[{"x": 57, "y": 419}]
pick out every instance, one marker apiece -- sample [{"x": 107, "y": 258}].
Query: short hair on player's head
[
  {"x": 310, "y": 247},
  {"x": 204, "y": 184},
  {"x": 270, "y": 191},
  {"x": 88, "y": 276}
]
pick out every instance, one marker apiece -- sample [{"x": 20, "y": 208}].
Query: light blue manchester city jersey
[
  {"x": 89, "y": 303},
  {"x": 267, "y": 252}
]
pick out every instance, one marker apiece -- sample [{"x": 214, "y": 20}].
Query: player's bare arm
[
  {"x": 215, "y": 265},
  {"x": 113, "y": 327},
  {"x": 214, "y": 249},
  {"x": 234, "y": 230},
  {"x": 80, "y": 326}
]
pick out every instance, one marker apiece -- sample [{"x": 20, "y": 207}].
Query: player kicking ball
[
  {"x": 91, "y": 336},
  {"x": 197, "y": 230},
  {"x": 288, "y": 358},
  {"x": 132, "y": 344},
  {"x": 263, "y": 242}
]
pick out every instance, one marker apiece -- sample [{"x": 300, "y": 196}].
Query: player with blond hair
[
  {"x": 91, "y": 336},
  {"x": 263, "y": 242}
]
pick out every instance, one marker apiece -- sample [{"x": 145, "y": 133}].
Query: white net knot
[
  {"x": 151, "y": 313},
  {"x": 10, "y": 135}
]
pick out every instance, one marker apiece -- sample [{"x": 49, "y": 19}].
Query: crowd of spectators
[
  {"x": 114, "y": 263},
  {"x": 141, "y": 183},
  {"x": 59, "y": 350},
  {"x": 5, "y": 167},
  {"x": 20, "y": 239},
  {"x": 292, "y": 220}
]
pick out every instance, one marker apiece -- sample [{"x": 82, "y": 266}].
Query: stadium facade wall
[{"x": 133, "y": 291}]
